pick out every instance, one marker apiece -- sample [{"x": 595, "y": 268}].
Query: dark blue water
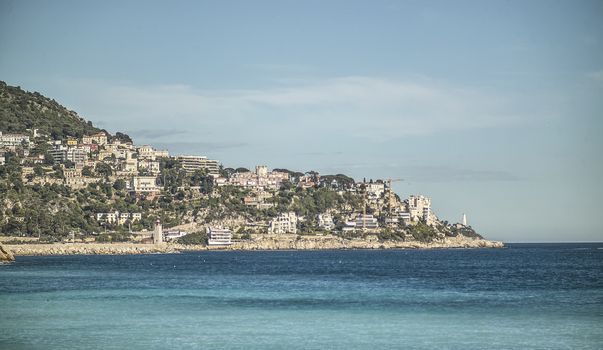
[{"x": 522, "y": 297}]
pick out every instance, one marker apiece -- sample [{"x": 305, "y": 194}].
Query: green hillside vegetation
[
  {"x": 39, "y": 204},
  {"x": 21, "y": 110}
]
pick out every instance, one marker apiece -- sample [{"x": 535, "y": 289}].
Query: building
[
  {"x": 362, "y": 222},
  {"x": 118, "y": 218},
  {"x": 173, "y": 235},
  {"x": 58, "y": 153},
  {"x": 76, "y": 155},
  {"x": 148, "y": 152},
  {"x": 150, "y": 166},
  {"x": 261, "y": 170},
  {"x": 258, "y": 200},
  {"x": 88, "y": 147},
  {"x": 110, "y": 218},
  {"x": 325, "y": 221},
  {"x": 284, "y": 223},
  {"x": 145, "y": 184},
  {"x": 260, "y": 179},
  {"x": 404, "y": 215},
  {"x": 13, "y": 140},
  {"x": 376, "y": 188},
  {"x": 419, "y": 207},
  {"x": 219, "y": 236},
  {"x": 162, "y": 154},
  {"x": 193, "y": 163},
  {"x": 130, "y": 165},
  {"x": 366, "y": 222},
  {"x": 99, "y": 138},
  {"x": 309, "y": 180},
  {"x": 71, "y": 141}
]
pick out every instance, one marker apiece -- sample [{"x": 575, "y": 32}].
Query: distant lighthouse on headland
[
  {"x": 158, "y": 233},
  {"x": 464, "y": 220}
]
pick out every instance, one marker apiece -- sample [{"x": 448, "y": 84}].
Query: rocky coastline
[
  {"x": 6, "y": 255},
  {"x": 266, "y": 242}
]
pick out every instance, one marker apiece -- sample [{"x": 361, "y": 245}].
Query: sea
[{"x": 525, "y": 296}]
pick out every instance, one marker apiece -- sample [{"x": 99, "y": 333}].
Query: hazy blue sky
[{"x": 493, "y": 108}]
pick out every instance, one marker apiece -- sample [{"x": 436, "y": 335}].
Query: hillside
[
  {"x": 69, "y": 183},
  {"x": 21, "y": 110}
]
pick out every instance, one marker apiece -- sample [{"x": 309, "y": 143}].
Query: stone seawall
[
  {"x": 90, "y": 249},
  {"x": 265, "y": 242},
  {"x": 274, "y": 242}
]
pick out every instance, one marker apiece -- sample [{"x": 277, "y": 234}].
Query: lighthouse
[
  {"x": 158, "y": 233},
  {"x": 464, "y": 220}
]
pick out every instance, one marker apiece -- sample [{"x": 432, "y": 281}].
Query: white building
[
  {"x": 375, "y": 189},
  {"x": 219, "y": 236},
  {"x": 118, "y": 218},
  {"x": 173, "y": 235},
  {"x": 325, "y": 221},
  {"x": 145, "y": 184},
  {"x": 146, "y": 152},
  {"x": 99, "y": 138},
  {"x": 261, "y": 170},
  {"x": 260, "y": 179},
  {"x": 130, "y": 165},
  {"x": 58, "y": 153},
  {"x": 419, "y": 207},
  {"x": 366, "y": 222},
  {"x": 162, "y": 154},
  {"x": 151, "y": 166},
  {"x": 13, "y": 140},
  {"x": 76, "y": 155},
  {"x": 150, "y": 153},
  {"x": 404, "y": 215},
  {"x": 284, "y": 223},
  {"x": 192, "y": 163}
]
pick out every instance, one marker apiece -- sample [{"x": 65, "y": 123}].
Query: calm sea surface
[{"x": 523, "y": 297}]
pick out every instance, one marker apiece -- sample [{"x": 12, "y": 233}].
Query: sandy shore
[{"x": 266, "y": 242}]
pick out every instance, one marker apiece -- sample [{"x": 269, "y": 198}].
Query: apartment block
[
  {"x": 284, "y": 223},
  {"x": 219, "y": 236},
  {"x": 145, "y": 184},
  {"x": 99, "y": 138},
  {"x": 193, "y": 163}
]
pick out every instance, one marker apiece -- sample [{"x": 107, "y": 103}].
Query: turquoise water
[{"x": 522, "y": 297}]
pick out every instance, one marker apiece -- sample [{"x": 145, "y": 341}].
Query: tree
[
  {"x": 103, "y": 169},
  {"x": 87, "y": 171},
  {"x": 48, "y": 159},
  {"x": 122, "y": 137},
  {"x": 207, "y": 184},
  {"x": 38, "y": 171},
  {"x": 119, "y": 185},
  {"x": 194, "y": 238}
]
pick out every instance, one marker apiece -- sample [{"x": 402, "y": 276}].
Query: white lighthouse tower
[
  {"x": 464, "y": 220},
  {"x": 158, "y": 233}
]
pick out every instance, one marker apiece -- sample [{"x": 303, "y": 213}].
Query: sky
[{"x": 493, "y": 109}]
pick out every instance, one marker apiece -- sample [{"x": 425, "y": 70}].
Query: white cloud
[{"x": 364, "y": 107}]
